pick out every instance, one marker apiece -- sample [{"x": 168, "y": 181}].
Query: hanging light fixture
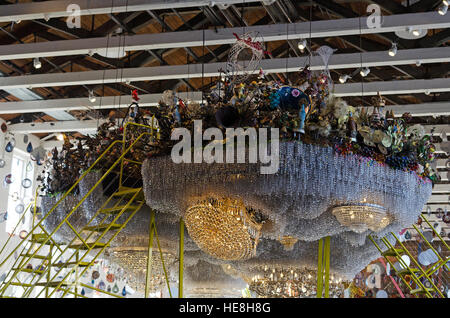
[
  {"x": 37, "y": 63},
  {"x": 360, "y": 217},
  {"x": 302, "y": 45},
  {"x": 393, "y": 49},
  {"x": 92, "y": 97},
  {"x": 364, "y": 71},
  {"x": 344, "y": 77},
  {"x": 443, "y": 8},
  {"x": 223, "y": 228}
]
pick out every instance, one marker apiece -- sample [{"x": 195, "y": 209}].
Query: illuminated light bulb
[
  {"x": 393, "y": 49},
  {"x": 364, "y": 71},
  {"x": 443, "y": 8},
  {"x": 60, "y": 137},
  {"x": 37, "y": 63},
  {"x": 343, "y": 78},
  {"x": 92, "y": 97},
  {"x": 446, "y": 2},
  {"x": 302, "y": 44},
  {"x": 416, "y": 32}
]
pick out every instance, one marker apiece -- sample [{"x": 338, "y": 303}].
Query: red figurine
[{"x": 135, "y": 96}]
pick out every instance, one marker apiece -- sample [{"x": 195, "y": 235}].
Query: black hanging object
[
  {"x": 29, "y": 147},
  {"x": 9, "y": 147},
  {"x": 227, "y": 116}
]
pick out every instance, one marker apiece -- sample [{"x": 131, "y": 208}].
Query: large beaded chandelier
[{"x": 223, "y": 228}]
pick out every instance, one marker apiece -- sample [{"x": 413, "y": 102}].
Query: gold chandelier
[
  {"x": 360, "y": 217},
  {"x": 288, "y": 242},
  {"x": 223, "y": 228}
]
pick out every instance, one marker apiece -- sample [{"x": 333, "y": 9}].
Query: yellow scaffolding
[
  {"x": 89, "y": 238},
  {"x": 323, "y": 268},
  {"x": 418, "y": 274}
]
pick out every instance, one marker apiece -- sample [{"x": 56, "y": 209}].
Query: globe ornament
[{"x": 245, "y": 56}]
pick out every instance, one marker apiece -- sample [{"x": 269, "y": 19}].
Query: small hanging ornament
[
  {"x": 4, "y": 127},
  {"x": 25, "y": 139},
  {"x": 407, "y": 235},
  {"x": 124, "y": 291},
  {"x": 3, "y": 217},
  {"x": 83, "y": 292},
  {"x": 20, "y": 208},
  {"x": 9, "y": 147},
  {"x": 8, "y": 179},
  {"x": 115, "y": 289},
  {"x": 446, "y": 217},
  {"x": 23, "y": 234},
  {"x": 29, "y": 147},
  {"x": 26, "y": 183},
  {"x": 2, "y": 163},
  {"x": 95, "y": 275}
]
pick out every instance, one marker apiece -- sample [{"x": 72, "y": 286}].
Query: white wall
[{"x": 4, "y": 195}]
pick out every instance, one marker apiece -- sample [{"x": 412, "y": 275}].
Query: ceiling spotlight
[
  {"x": 443, "y": 8},
  {"x": 393, "y": 49},
  {"x": 302, "y": 44},
  {"x": 418, "y": 62},
  {"x": 416, "y": 32},
  {"x": 37, "y": 63},
  {"x": 60, "y": 137},
  {"x": 364, "y": 71},
  {"x": 427, "y": 92},
  {"x": 343, "y": 78},
  {"x": 92, "y": 97}
]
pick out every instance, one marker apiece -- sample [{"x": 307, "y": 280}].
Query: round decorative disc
[
  {"x": 26, "y": 183},
  {"x": 20, "y": 208}
]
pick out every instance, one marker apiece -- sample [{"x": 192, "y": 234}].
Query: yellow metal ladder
[
  {"x": 90, "y": 239},
  {"x": 417, "y": 273}
]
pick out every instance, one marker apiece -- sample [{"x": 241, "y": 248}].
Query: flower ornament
[{"x": 295, "y": 92}]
